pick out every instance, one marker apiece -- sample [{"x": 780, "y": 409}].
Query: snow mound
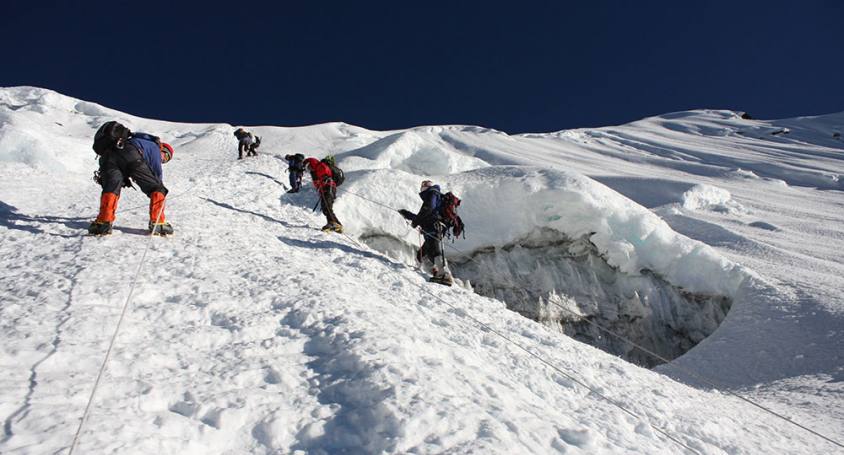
[
  {"x": 708, "y": 197},
  {"x": 33, "y": 134},
  {"x": 565, "y": 235},
  {"x": 419, "y": 152},
  {"x": 632, "y": 238}
]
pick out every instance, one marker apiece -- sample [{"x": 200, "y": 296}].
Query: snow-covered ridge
[
  {"x": 235, "y": 345},
  {"x": 631, "y": 237},
  {"x": 628, "y": 238}
]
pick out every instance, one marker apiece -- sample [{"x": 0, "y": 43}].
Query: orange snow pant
[
  {"x": 108, "y": 207},
  {"x": 156, "y": 207}
]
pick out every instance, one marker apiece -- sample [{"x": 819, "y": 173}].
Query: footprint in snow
[
  {"x": 272, "y": 376},
  {"x": 230, "y": 323},
  {"x": 764, "y": 225}
]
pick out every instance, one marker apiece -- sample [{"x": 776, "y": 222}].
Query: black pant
[
  {"x": 295, "y": 180},
  {"x": 117, "y": 165},
  {"x": 248, "y": 148},
  {"x": 432, "y": 246},
  {"x": 327, "y": 195}
]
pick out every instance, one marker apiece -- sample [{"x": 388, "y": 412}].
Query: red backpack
[{"x": 449, "y": 217}]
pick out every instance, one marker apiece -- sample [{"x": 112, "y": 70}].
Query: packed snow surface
[{"x": 250, "y": 331}]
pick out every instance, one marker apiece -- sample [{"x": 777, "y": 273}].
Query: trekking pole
[{"x": 442, "y": 247}]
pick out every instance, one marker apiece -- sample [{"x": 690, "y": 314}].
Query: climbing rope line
[
  {"x": 126, "y": 304},
  {"x": 123, "y": 312},
  {"x": 691, "y": 373},
  {"x": 486, "y": 327}
]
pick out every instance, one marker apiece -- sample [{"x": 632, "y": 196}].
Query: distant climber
[
  {"x": 126, "y": 157},
  {"x": 247, "y": 142},
  {"x": 430, "y": 222},
  {"x": 295, "y": 169},
  {"x": 324, "y": 181}
]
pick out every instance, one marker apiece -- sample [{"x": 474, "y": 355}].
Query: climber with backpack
[
  {"x": 326, "y": 176},
  {"x": 295, "y": 168},
  {"x": 126, "y": 157},
  {"x": 247, "y": 142},
  {"x": 435, "y": 219}
]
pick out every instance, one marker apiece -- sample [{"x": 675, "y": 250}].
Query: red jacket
[{"x": 320, "y": 173}]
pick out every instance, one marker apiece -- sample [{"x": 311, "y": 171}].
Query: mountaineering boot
[
  {"x": 444, "y": 279},
  {"x": 158, "y": 224},
  {"x": 442, "y": 275},
  {"x": 99, "y": 228},
  {"x": 160, "y": 228},
  {"x": 333, "y": 227}
]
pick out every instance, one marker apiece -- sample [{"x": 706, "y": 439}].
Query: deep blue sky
[{"x": 516, "y": 66}]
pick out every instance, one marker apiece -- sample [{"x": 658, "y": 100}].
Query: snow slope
[{"x": 252, "y": 332}]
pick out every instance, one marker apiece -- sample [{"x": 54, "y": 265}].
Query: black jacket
[{"x": 428, "y": 214}]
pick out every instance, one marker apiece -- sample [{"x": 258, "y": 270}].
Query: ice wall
[{"x": 566, "y": 284}]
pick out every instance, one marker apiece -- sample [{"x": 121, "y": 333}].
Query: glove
[
  {"x": 98, "y": 178},
  {"x": 407, "y": 214}
]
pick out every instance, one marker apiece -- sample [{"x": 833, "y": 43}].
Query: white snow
[{"x": 250, "y": 331}]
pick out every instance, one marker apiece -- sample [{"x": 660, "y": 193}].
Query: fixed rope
[
  {"x": 486, "y": 327},
  {"x": 126, "y": 304},
  {"x": 691, "y": 373},
  {"x": 123, "y": 312}
]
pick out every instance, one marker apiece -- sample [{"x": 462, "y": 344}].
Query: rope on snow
[
  {"x": 693, "y": 374},
  {"x": 116, "y": 332}
]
